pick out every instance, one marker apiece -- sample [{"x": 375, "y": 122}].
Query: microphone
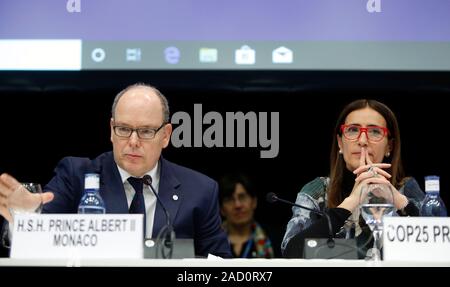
[
  {"x": 272, "y": 197},
  {"x": 312, "y": 248},
  {"x": 167, "y": 231}
]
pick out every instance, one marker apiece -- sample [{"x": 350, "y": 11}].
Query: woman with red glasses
[{"x": 366, "y": 149}]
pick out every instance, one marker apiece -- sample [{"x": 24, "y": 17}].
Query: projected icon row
[{"x": 244, "y": 55}]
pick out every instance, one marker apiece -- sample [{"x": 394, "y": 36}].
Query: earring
[
  {"x": 340, "y": 151},
  {"x": 388, "y": 154}
]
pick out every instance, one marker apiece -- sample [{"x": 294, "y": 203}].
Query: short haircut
[{"x": 164, "y": 101}]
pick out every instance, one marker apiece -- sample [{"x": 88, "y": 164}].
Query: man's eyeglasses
[
  {"x": 373, "y": 133},
  {"x": 143, "y": 133}
]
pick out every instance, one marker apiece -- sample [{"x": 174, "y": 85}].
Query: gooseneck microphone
[
  {"x": 272, "y": 197},
  {"x": 167, "y": 232}
]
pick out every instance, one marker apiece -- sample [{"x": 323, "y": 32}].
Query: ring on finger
[{"x": 372, "y": 171}]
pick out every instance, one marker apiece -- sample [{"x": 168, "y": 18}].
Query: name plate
[
  {"x": 416, "y": 239},
  {"x": 77, "y": 236}
]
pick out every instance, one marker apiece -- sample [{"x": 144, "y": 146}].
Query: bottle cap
[
  {"x": 432, "y": 183},
  {"x": 91, "y": 181}
]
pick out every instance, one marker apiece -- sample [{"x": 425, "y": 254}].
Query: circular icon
[
  {"x": 98, "y": 55},
  {"x": 311, "y": 243},
  {"x": 149, "y": 243},
  {"x": 172, "y": 55}
]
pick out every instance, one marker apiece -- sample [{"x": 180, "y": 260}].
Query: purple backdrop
[{"x": 404, "y": 20}]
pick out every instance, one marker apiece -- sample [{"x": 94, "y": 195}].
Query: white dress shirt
[{"x": 149, "y": 197}]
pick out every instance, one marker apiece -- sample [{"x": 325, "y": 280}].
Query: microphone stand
[
  {"x": 335, "y": 248},
  {"x": 167, "y": 232},
  {"x": 272, "y": 197}
]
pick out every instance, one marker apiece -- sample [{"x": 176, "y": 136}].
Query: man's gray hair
[{"x": 164, "y": 101}]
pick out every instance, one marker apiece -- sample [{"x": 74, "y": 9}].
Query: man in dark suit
[{"x": 140, "y": 130}]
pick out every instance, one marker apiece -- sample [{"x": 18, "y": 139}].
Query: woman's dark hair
[
  {"x": 228, "y": 182},
  {"x": 337, "y": 164}
]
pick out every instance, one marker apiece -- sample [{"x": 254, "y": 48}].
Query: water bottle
[
  {"x": 91, "y": 201},
  {"x": 432, "y": 205}
]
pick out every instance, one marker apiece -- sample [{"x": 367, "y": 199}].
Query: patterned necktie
[{"x": 138, "y": 203}]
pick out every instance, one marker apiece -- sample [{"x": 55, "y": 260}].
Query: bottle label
[
  {"x": 91, "y": 181},
  {"x": 432, "y": 185}
]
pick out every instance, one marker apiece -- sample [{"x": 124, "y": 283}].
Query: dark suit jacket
[{"x": 194, "y": 215}]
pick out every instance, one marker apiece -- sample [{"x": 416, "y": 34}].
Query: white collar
[{"x": 124, "y": 175}]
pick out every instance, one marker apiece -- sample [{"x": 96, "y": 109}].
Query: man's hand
[{"x": 14, "y": 196}]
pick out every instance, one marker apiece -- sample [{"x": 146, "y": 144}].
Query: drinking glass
[
  {"x": 376, "y": 201},
  {"x": 26, "y": 198}
]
